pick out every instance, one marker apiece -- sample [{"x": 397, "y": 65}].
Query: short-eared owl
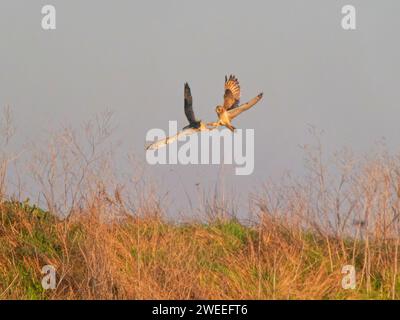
[
  {"x": 231, "y": 109},
  {"x": 193, "y": 127}
]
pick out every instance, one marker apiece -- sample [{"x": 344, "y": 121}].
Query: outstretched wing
[
  {"x": 232, "y": 92},
  {"x": 233, "y": 113},
  {"x": 189, "y": 105},
  {"x": 161, "y": 143}
]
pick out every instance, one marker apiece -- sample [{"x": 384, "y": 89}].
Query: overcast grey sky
[{"x": 133, "y": 57}]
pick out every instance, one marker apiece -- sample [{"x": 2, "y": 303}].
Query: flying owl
[
  {"x": 231, "y": 108},
  {"x": 194, "y": 125}
]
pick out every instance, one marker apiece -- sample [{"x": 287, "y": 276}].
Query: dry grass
[
  {"x": 148, "y": 258},
  {"x": 108, "y": 243}
]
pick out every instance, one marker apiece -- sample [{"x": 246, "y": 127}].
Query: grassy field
[
  {"x": 149, "y": 258},
  {"x": 115, "y": 241}
]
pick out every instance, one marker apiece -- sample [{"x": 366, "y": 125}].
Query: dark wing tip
[
  {"x": 187, "y": 90},
  {"x": 189, "y": 104},
  {"x": 231, "y": 77}
]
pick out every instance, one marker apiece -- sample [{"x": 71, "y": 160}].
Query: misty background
[{"x": 133, "y": 57}]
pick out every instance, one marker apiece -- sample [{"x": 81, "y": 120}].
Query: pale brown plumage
[
  {"x": 231, "y": 109},
  {"x": 232, "y": 92}
]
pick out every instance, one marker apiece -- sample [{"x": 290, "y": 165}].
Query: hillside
[{"x": 149, "y": 258}]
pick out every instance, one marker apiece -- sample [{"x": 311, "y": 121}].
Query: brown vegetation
[{"x": 108, "y": 238}]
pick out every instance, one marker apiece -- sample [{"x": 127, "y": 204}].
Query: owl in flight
[
  {"x": 193, "y": 127},
  {"x": 231, "y": 108}
]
